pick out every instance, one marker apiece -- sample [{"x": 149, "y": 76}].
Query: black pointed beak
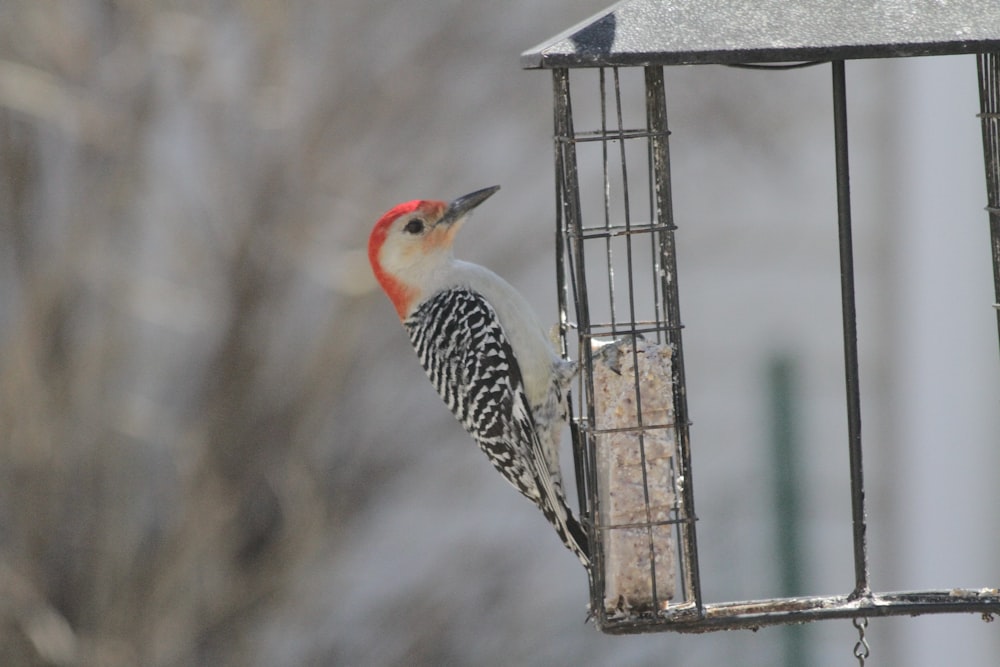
[{"x": 461, "y": 206}]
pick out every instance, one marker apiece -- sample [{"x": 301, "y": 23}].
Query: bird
[{"x": 482, "y": 348}]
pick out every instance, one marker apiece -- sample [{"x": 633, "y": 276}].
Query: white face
[
  {"x": 410, "y": 247},
  {"x": 416, "y": 244}
]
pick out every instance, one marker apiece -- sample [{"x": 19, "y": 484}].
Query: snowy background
[{"x": 217, "y": 447}]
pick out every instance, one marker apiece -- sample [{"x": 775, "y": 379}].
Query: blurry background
[{"x": 217, "y": 447}]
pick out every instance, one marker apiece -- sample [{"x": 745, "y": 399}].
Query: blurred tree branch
[{"x": 157, "y": 486}]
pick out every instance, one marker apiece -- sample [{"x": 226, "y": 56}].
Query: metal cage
[{"x": 617, "y": 279}]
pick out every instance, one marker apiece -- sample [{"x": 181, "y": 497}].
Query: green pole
[{"x": 785, "y": 447}]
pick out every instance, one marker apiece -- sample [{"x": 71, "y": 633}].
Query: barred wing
[{"x": 468, "y": 358}]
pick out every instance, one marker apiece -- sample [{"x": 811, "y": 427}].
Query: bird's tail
[{"x": 578, "y": 541}]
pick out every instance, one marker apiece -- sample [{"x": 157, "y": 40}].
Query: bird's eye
[{"x": 414, "y": 226}]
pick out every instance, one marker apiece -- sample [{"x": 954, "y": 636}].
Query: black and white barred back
[{"x": 468, "y": 358}]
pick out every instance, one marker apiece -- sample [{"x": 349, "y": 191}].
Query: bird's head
[{"x": 411, "y": 245}]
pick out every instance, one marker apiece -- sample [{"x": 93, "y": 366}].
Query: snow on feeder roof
[{"x": 680, "y": 32}]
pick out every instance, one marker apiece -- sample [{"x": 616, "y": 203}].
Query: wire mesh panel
[
  {"x": 621, "y": 270},
  {"x": 989, "y": 101}
]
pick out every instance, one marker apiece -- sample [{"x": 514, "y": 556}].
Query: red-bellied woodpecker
[{"x": 482, "y": 348}]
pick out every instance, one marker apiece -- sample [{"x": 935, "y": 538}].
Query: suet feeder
[{"x": 617, "y": 278}]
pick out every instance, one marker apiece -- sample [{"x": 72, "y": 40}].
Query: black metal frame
[
  {"x": 575, "y": 237},
  {"x": 988, "y": 65}
]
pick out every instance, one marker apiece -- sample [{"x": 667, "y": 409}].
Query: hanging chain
[{"x": 861, "y": 649}]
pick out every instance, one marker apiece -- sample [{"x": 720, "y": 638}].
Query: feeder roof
[{"x": 678, "y": 32}]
